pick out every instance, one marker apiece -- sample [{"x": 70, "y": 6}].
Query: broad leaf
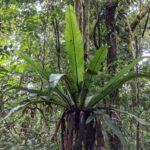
[
  {"x": 74, "y": 46},
  {"x": 124, "y": 71},
  {"x": 54, "y": 79},
  {"x": 71, "y": 90},
  {"x": 36, "y": 66},
  {"x": 94, "y": 66},
  {"x": 88, "y": 99},
  {"x": 95, "y": 63}
]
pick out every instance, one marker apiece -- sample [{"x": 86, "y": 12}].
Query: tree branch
[{"x": 139, "y": 17}]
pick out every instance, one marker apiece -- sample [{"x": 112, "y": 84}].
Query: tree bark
[
  {"x": 110, "y": 8},
  {"x": 96, "y": 30},
  {"x": 79, "y": 135},
  {"x": 137, "y": 95},
  {"x": 55, "y": 24},
  {"x": 111, "y": 36},
  {"x": 138, "y": 137},
  {"x": 82, "y": 13},
  {"x": 139, "y": 17},
  {"x": 1, "y": 104}
]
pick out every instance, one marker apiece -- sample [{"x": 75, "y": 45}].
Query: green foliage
[
  {"x": 36, "y": 67},
  {"x": 74, "y": 46},
  {"x": 27, "y": 30},
  {"x": 119, "y": 79},
  {"x": 99, "y": 57},
  {"x": 141, "y": 121}
]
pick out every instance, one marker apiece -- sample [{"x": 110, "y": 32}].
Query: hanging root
[{"x": 57, "y": 127}]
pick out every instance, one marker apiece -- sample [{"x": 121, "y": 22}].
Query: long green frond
[
  {"x": 53, "y": 98},
  {"x": 114, "y": 85},
  {"x": 74, "y": 46},
  {"x": 94, "y": 66},
  {"x": 98, "y": 58},
  {"x": 124, "y": 71},
  {"x": 36, "y": 66}
]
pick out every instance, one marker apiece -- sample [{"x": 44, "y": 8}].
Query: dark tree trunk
[
  {"x": 79, "y": 135},
  {"x": 138, "y": 147},
  {"x": 97, "y": 27},
  {"x": 111, "y": 41},
  {"x": 111, "y": 36},
  {"x": 1, "y": 104},
  {"x": 82, "y": 13},
  {"x": 55, "y": 24},
  {"x": 137, "y": 95},
  {"x": 110, "y": 8}
]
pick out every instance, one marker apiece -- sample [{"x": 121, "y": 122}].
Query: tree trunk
[
  {"x": 82, "y": 13},
  {"x": 79, "y": 135},
  {"x": 55, "y": 24},
  {"x": 137, "y": 95},
  {"x": 110, "y": 8},
  {"x": 111, "y": 36},
  {"x": 1, "y": 104},
  {"x": 138, "y": 137}
]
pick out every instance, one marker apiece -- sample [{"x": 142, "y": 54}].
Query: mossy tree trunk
[{"x": 110, "y": 8}]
